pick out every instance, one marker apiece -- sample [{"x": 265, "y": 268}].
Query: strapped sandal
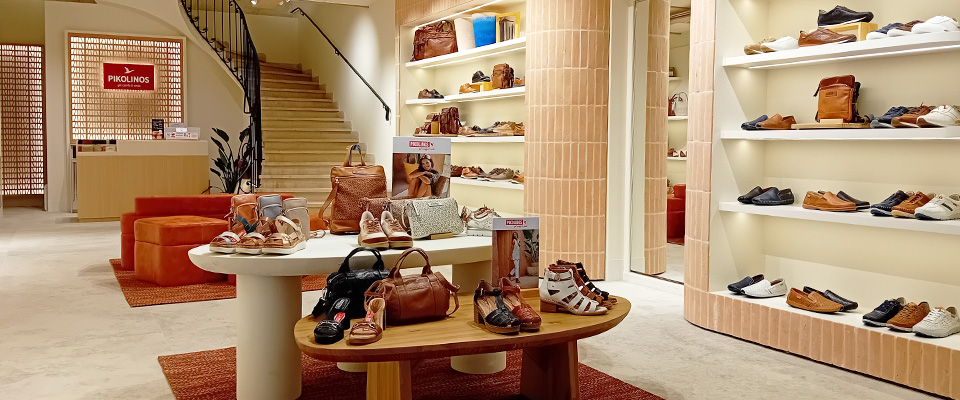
[
  {"x": 287, "y": 238},
  {"x": 559, "y": 292},
  {"x": 585, "y": 281},
  {"x": 371, "y": 328},
  {"x": 242, "y": 207},
  {"x": 491, "y": 312}
]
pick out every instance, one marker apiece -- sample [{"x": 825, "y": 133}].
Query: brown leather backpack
[
  {"x": 450, "y": 121},
  {"x": 349, "y": 184},
  {"x": 415, "y": 298},
  {"x": 434, "y": 40},
  {"x": 502, "y": 76},
  {"x": 837, "y": 98}
]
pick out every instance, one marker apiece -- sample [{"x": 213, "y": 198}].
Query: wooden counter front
[{"x": 108, "y": 182}]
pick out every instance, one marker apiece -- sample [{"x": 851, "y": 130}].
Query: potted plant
[{"x": 232, "y": 167}]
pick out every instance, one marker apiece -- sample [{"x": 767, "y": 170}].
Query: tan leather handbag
[
  {"x": 434, "y": 40},
  {"x": 350, "y": 183},
  {"x": 837, "y": 98},
  {"x": 502, "y": 77},
  {"x": 450, "y": 121},
  {"x": 415, "y": 298}
]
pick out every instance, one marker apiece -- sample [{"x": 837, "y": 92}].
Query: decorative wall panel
[
  {"x": 100, "y": 114},
  {"x": 655, "y": 180},
  {"x": 22, "y": 134}
]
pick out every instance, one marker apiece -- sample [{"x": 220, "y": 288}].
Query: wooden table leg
[
  {"x": 468, "y": 276},
  {"x": 550, "y": 372},
  {"x": 389, "y": 381}
]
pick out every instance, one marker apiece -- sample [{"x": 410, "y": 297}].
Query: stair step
[
  {"x": 286, "y": 75},
  {"x": 269, "y": 145},
  {"x": 290, "y": 112},
  {"x": 346, "y": 139},
  {"x": 331, "y": 137},
  {"x": 300, "y": 119},
  {"x": 280, "y": 67},
  {"x": 294, "y": 93},
  {"x": 306, "y": 124},
  {"x": 273, "y": 84},
  {"x": 272, "y": 101},
  {"x": 302, "y": 183},
  {"x": 308, "y": 130}
]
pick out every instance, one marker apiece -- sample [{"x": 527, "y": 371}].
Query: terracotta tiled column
[
  {"x": 655, "y": 181},
  {"x": 567, "y": 78}
]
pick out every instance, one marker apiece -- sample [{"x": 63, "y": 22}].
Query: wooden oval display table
[
  {"x": 549, "y": 368},
  {"x": 269, "y": 299}
]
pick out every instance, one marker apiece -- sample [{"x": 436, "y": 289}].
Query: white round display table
[{"x": 269, "y": 300}]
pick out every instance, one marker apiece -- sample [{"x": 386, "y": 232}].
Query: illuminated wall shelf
[
  {"x": 518, "y": 44},
  {"x": 880, "y": 48},
  {"x": 951, "y": 133},
  {"x": 490, "y": 184},
  {"x": 488, "y": 139},
  {"x": 861, "y": 218},
  {"x": 676, "y": 159},
  {"x": 479, "y": 96},
  {"x": 678, "y": 118}
]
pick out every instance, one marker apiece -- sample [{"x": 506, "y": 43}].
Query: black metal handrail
[
  {"x": 224, "y": 26},
  {"x": 337, "y": 51}
]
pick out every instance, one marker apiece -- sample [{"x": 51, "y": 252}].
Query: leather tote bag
[
  {"x": 350, "y": 183},
  {"x": 352, "y": 284},
  {"x": 415, "y": 298},
  {"x": 502, "y": 76},
  {"x": 433, "y": 216},
  {"x": 450, "y": 121},
  {"x": 837, "y": 98},
  {"x": 434, "y": 40}
]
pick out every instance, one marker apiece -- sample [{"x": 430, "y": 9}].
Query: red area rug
[
  {"x": 139, "y": 293},
  {"x": 212, "y": 375},
  {"x": 675, "y": 240}
]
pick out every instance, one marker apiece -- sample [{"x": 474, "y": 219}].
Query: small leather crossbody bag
[
  {"x": 415, "y": 298},
  {"x": 433, "y": 216}
]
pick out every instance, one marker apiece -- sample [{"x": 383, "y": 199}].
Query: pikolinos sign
[{"x": 128, "y": 76}]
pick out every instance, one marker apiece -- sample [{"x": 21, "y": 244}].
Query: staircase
[{"x": 304, "y": 133}]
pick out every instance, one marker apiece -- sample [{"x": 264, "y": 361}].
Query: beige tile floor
[{"x": 66, "y": 332}]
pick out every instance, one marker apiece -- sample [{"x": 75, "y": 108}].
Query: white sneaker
[
  {"x": 941, "y": 208},
  {"x": 766, "y": 288},
  {"x": 939, "y": 23},
  {"x": 939, "y": 323},
  {"x": 479, "y": 222},
  {"x": 784, "y": 43},
  {"x": 945, "y": 115}
]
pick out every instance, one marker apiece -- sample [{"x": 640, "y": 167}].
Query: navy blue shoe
[
  {"x": 737, "y": 287},
  {"x": 774, "y": 197},
  {"x": 885, "y": 208},
  {"x": 752, "y": 125},
  {"x": 840, "y": 15},
  {"x": 886, "y": 120},
  {"x": 882, "y": 32}
]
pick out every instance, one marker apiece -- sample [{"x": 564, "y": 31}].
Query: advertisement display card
[
  {"x": 156, "y": 128},
  {"x": 421, "y": 167},
  {"x": 516, "y": 250}
]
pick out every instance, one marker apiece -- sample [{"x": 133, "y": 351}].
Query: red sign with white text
[{"x": 128, "y": 76}]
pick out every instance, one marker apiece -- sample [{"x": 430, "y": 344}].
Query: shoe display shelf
[
  {"x": 676, "y": 159},
  {"x": 678, "y": 118},
  {"x": 446, "y": 74},
  {"x": 679, "y": 61},
  {"x": 865, "y": 258}
]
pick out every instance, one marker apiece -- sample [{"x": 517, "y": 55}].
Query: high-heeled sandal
[
  {"x": 330, "y": 330},
  {"x": 586, "y": 282},
  {"x": 490, "y": 311},
  {"x": 529, "y": 319},
  {"x": 559, "y": 292},
  {"x": 371, "y": 328},
  {"x": 287, "y": 238},
  {"x": 243, "y": 219}
]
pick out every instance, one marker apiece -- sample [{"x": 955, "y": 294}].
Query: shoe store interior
[{"x": 463, "y": 199}]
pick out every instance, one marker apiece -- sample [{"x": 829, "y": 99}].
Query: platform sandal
[
  {"x": 243, "y": 218},
  {"x": 491, "y": 312},
  {"x": 586, "y": 282},
  {"x": 330, "y": 330},
  {"x": 295, "y": 209},
  {"x": 287, "y": 238},
  {"x": 529, "y": 319},
  {"x": 559, "y": 293},
  {"x": 370, "y": 329}
]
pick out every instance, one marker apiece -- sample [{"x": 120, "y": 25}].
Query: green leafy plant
[
  {"x": 232, "y": 167},
  {"x": 532, "y": 245}
]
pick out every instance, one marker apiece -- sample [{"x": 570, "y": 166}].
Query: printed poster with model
[
  {"x": 516, "y": 250},
  {"x": 421, "y": 167}
]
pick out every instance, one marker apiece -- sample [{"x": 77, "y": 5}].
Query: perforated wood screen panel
[
  {"x": 101, "y": 114},
  {"x": 22, "y": 138}
]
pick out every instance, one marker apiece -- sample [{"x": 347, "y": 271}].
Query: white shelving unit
[
  {"x": 678, "y": 118},
  {"x": 951, "y": 133},
  {"x": 479, "y": 96},
  {"x": 471, "y": 55},
  {"x": 676, "y": 159},
  {"x": 861, "y": 218},
  {"x": 489, "y": 184},
  {"x": 488, "y": 139},
  {"x": 889, "y": 47},
  {"x": 673, "y": 78}
]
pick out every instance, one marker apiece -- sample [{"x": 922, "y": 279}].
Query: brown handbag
[
  {"x": 450, "y": 121},
  {"x": 837, "y": 98},
  {"x": 502, "y": 77},
  {"x": 415, "y": 298},
  {"x": 350, "y": 183},
  {"x": 434, "y": 40}
]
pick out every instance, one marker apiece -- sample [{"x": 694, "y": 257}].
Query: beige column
[
  {"x": 655, "y": 181},
  {"x": 567, "y": 80}
]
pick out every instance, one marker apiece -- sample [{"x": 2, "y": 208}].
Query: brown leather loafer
[
  {"x": 826, "y": 202},
  {"x": 824, "y": 36},
  {"x": 811, "y": 302},
  {"x": 778, "y": 121},
  {"x": 912, "y": 118}
]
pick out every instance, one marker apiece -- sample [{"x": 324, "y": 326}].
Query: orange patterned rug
[
  {"x": 139, "y": 293},
  {"x": 212, "y": 375}
]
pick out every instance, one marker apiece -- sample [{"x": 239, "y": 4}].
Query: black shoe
[
  {"x": 841, "y": 15},
  {"x": 861, "y": 205},
  {"x": 738, "y": 286},
  {"x": 436, "y": 94},
  {"x": 774, "y": 197},
  {"x": 752, "y": 125},
  {"x": 480, "y": 77},
  {"x": 746, "y": 199},
  {"x": 330, "y": 330},
  {"x": 885, "y": 208},
  {"x": 886, "y": 120},
  {"x": 880, "y": 315},
  {"x": 846, "y": 304}
]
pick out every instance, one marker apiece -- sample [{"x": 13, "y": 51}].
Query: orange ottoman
[{"x": 162, "y": 244}]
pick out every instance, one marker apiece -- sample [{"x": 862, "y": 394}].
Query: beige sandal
[
  {"x": 371, "y": 328},
  {"x": 287, "y": 237}
]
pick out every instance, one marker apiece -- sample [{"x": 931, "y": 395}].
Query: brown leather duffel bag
[
  {"x": 350, "y": 183},
  {"x": 415, "y": 298},
  {"x": 502, "y": 77},
  {"x": 434, "y": 40}
]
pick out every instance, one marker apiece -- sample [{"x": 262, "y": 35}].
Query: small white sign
[
  {"x": 421, "y": 145},
  {"x": 516, "y": 224},
  {"x": 174, "y": 132}
]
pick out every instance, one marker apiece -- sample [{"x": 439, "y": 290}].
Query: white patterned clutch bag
[{"x": 433, "y": 216}]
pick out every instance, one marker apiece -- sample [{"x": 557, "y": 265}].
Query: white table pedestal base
[
  {"x": 468, "y": 276},
  {"x": 268, "y": 359}
]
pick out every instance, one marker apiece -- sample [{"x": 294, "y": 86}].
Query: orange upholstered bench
[{"x": 162, "y": 244}]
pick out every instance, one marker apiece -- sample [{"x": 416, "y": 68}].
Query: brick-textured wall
[
  {"x": 655, "y": 179},
  {"x": 567, "y": 76}
]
